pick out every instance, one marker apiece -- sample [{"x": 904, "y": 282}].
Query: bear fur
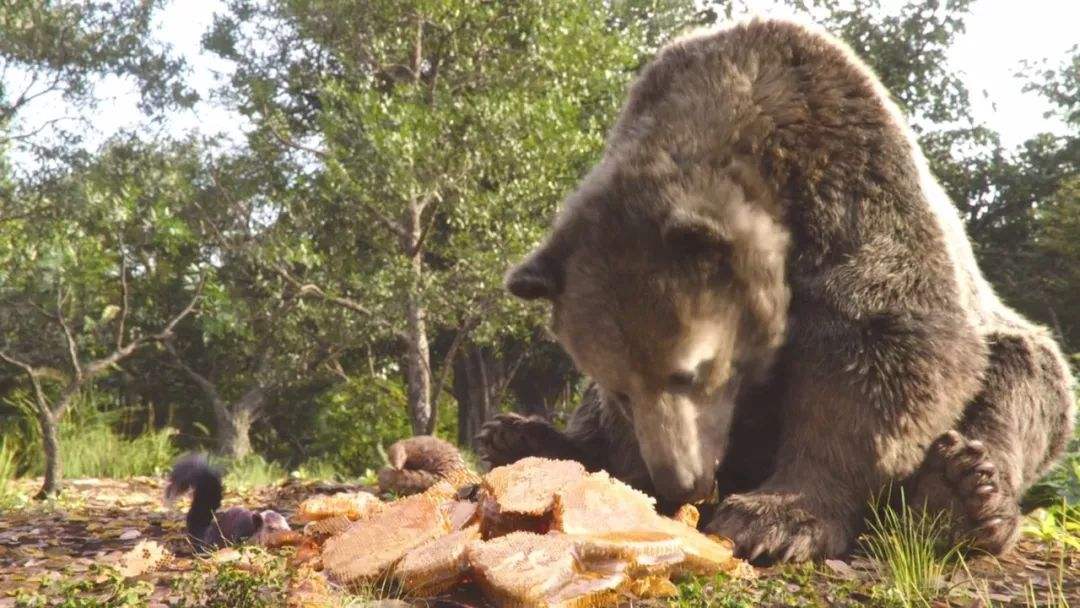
[{"x": 776, "y": 299}]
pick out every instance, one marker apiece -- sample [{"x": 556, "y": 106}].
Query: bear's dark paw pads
[
  {"x": 989, "y": 516},
  {"x": 507, "y": 438}
]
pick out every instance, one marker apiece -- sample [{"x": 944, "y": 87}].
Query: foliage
[
  {"x": 104, "y": 588},
  {"x": 906, "y": 543},
  {"x": 20, "y": 433},
  {"x": 90, "y": 443},
  {"x": 786, "y": 585},
  {"x": 316, "y": 469},
  {"x": 1059, "y": 523},
  {"x": 8, "y": 495},
  {"x": 91, "y": 447},
  {"x": 256, "y": 579},
  {"x": 359, "y": 419},
  {"x": 410, "y": 149},
  {"x": 252, "y": 471},
  {"x": 1061, "y": 484}
]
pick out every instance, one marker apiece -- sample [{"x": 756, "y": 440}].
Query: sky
[{"x": 1000, "y": 34}]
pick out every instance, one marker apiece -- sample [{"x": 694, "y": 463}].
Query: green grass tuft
[
  {"x": 98, "y": 451},
  {"x": 91, "y": 441},
  {"x": 8, "y": 495},
  {"x": 317, "y": 469},
  {"x": 907, "y": 546},
  {"x": 252, "y": 471}
]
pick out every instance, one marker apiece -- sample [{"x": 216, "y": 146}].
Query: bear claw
[
  {"x": 507, "y": 438},
  {"x": 989, "y": 519}
]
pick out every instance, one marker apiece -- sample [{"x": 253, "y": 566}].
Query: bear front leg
[
  {"x": 596, "y": 436},
  {"x": 777, "y": 524},
  {"x": 864, "y": 401},
  {"x": 1014, "y": 430},
  {"x": 507, "y": 438}
]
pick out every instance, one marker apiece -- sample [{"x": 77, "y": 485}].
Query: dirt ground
[{"x": 124, "y": 524}]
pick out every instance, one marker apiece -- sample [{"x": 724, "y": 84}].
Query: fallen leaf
[
  {"x": 228, "y": 554},
  {"x": 143, "y": 557},
  {"x": 841, "y": 569}
]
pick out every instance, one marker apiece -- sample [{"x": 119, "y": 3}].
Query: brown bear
[{"x": 773, "y": 294}]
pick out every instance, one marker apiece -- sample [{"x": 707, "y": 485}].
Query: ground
[{"x": 114, "y": 543}]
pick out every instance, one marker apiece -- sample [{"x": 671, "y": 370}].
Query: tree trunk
[
  {"x": 418, "y": 356},
  {"x": 418, "y": 370},
  {"x": 478, "y": 378},
  {"x": 234, "y": 424},
  {"x": 234, "y": 435},
  {"x": 50, "y": 438}
]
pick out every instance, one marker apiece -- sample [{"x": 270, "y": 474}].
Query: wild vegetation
[{"x": 296, "y": 301}]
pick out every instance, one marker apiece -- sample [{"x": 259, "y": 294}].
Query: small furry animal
[
  {"x": 206, "y": 527},
  {"x": 417, "y": 463}
]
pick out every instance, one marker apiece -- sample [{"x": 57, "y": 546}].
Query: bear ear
[
  {"x": 692, "y": 234},
  {"x": 539, "y": 276}
]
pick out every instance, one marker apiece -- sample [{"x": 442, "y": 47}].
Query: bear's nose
[{"x": 679, "y": 485}]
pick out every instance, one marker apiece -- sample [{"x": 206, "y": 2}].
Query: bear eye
[
  {"x": 622, "y": 397},
  {"x": 681, "y": 381}
]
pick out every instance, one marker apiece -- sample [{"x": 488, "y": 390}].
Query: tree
[
  {"x": 67, "y": 276},
  {"x": 426, "y": 144},
  {"x": 63, "y": 49},
  {"x": 189, "y": 210},
  {"x": 253, "y": 337},
  {"x": 68, "y": 298},
  {"x": 1057, "y": 216}
]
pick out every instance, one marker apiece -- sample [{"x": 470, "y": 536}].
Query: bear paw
[
  {"x": 507, "y": 438},
  {"x": 769, "y": 527},
  {"x": 986, "y": 514}
]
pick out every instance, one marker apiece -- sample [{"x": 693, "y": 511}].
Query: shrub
[
  {"x": 90, "y": 444},
  {"x": 359, "y": 419}
]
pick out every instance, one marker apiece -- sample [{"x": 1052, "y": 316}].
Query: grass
[
  {"x": 90, "y": 444},
  {"x": 317, "y": 469},
  {"x": 8, "y": 495},
  {"x": 789, "y": 585},
  {"x": 907, "y": 544},
  {"x": 385, "y": 588},
  {"x": 252, "y": 471},
  {"x": 98, "y": 451}
]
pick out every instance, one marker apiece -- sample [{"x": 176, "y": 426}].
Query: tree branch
[
  {"x": 72, "y": 346},
  {"x": 435, "y": 198},
  {"x": 32, "y": 374},
  {"x": 123, "y": 297},
  {"x": 418, "y": 49},
  {"x": 205, "y": 385},
  {"x": 99, "y": 365},
  {"x": 448, "y": 359},
  {"x": 290, "y": 142},
  {"x": 310, "y": 290}
]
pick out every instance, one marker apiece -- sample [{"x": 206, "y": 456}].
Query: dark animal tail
[{"x": 193, "y": 472}]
